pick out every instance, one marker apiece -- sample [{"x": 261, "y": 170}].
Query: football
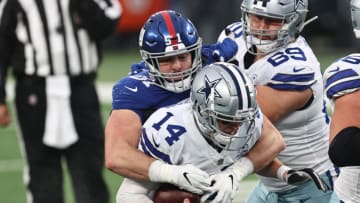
[{"x": 168, "y": 193}]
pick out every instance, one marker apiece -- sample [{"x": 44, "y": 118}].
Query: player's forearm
[
  {"x": 271, "y": 170},
  {"x": 129, "y": 162},
  {"x": 267, "y": 148}
]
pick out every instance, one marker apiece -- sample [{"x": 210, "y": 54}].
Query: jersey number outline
[
  {"x": 175, "y": 131},
  {"x": 289, "y": 53}
]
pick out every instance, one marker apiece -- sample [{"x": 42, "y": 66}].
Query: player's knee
[{"x": 345, "y": 147}]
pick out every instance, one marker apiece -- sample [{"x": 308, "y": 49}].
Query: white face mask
[
  {"x": 264, "y": 46},
  {"x": 179, "y": 86}
]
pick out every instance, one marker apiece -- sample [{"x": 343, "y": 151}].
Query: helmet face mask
[
  {"x": 169, "y": 34},
  {"x": 290, "y": 13},
  {"x": 224, "y": 105},
  {"x": 355, "y": 17}
]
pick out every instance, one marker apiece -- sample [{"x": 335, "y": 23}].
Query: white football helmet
[
  {"x": 355, "y": 16},
  {"x": 220, "y": 91},
  {"x": 291, "y": 12}
]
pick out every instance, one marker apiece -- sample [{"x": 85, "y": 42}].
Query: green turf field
[{"x": 115, "y": 65}]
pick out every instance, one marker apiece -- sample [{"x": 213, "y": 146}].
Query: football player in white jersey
[
  {"x": 213, "y": 130},
  {"x": 171, "y": 49},
  {"x": 288, "y": 80},
  {"x": 342, "y": 85}
]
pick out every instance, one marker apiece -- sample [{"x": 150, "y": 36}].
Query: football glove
[
  {"x": 186, "y": 177},
  {"x": 300, "y": 176},
  {"x": 224, "y": 185},
  {"x": 137, "y": 67},
  {"x": 219, "y": 52}
]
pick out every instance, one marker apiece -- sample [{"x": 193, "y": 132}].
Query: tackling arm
[
  {"x": 122, "y": 135},
  {"x": 268, "y": 146}
]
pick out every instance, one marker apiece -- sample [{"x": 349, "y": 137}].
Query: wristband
[
  {"x": 243, "y": 167},
  {"x": 281, "y": 172},
  {"x": 159, "y": 171}
]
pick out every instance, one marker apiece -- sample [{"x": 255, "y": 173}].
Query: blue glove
[
  {"x": 223, "y": 51},
  {"x": 137, "y": 67}
]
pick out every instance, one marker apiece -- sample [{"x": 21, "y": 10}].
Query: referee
[{"x": 53, "y": 47}]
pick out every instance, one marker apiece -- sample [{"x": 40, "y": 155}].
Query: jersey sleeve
[
  {"x": 342, "y": 77},
  {"x": 234, "y": 31},
  {"x": 296, "y": 77},
  {"x": 129, "y": 93}
]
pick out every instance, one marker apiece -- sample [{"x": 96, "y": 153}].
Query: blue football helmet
[{"x": 168, "y": 33}]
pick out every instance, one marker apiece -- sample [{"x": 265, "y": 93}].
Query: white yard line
[{"x": 11, "y": 165}]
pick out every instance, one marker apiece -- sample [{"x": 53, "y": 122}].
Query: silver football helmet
[
  {"x": 222, "y": 93},
  {"x": 292, "y": 13},
  {"x": 355, "y": 16}
]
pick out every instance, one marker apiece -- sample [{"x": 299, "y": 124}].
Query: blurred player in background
[
  {"x": 288, "y": 80},
  {"x": 342, "y": 85},
  {"x": 172, "y": 52}
]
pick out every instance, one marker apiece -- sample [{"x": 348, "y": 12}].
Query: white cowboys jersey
[
  {"x": 341, "y": 78},
  {"x": 305, "y": 131},
  {"x": 170, "y": 134}
]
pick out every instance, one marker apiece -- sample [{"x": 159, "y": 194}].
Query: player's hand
[
  {"x": 4, "y": 115},
  {"x": 300, "y": 176},
  {"x": 219, "y": 52},
  {"x": 137, "y": 67},
  {"x": 187, "y": 177},
  {"x": 224, "y": 187}
]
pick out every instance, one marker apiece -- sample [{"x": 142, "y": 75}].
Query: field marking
[{"x": 11, "y": 165}]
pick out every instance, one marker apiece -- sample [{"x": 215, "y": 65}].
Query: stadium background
[{"x": 330, "y": 36}]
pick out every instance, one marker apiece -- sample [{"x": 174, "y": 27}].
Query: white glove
[
  {"x": 224, "y": 185},
  {"x": 187, "y": 177},
  {"x": 300, "y": 176}
]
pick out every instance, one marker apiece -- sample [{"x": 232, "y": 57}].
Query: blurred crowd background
[{"x": 332, "y": 30}]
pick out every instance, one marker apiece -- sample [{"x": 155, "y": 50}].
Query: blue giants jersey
[{"x": 136, "y": 92}]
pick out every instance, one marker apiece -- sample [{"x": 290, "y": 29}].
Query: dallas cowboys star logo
[
  {"x": 209, "y": 87},
  {"x": 298, "y": 3}
]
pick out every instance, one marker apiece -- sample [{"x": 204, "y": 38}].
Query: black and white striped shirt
[{"x": 53, "y": 37}]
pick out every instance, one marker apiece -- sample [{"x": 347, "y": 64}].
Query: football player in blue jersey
[
  {"x": 342, "y": 85},
  {"x": 214, "y": 131},
  {"x": 288, "y": 80},
  {"x": 171, "y": 49}
]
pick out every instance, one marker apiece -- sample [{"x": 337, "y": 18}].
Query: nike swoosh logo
[
  {"x": 335, "y": 70},
  {"x": 135, "y": 89},
  {"x": 185, "y": 174},
  {"x": 295, "y": 69},
  {"x": 232, "y": 181},
  {"x": 155, "y": 143}
]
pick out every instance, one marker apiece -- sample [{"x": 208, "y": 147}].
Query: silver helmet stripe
[{"x": 235, "y": 73}]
